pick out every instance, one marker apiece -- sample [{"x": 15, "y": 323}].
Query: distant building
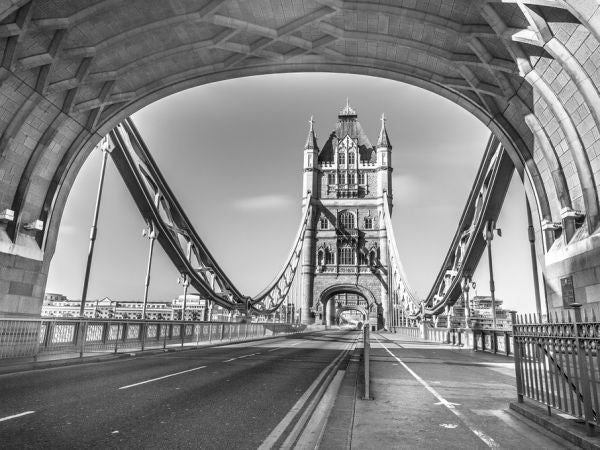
[
  {"x": 58, "y": 305},
  {"x": 481, "y": 313}
]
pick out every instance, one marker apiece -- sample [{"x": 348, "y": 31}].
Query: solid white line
[
  {"x": 451, "y": 406},
  {"x": 273, "y": 349},
  {"x": 162, "y": 378},
  {"x": 16, "y": 415}
]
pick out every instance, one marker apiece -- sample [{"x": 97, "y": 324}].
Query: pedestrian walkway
[{"x": 430, "y": 395}]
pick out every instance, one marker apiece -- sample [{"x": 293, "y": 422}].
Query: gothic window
[
  {"x": 368, "y": 223},
  {"x": 341, "y": 158},
  {"x": 320, "y": 258},
  {"x": 323, "y": 223},
  {"x": 363, "y": 259},
  {"x": 342, "y": 178},
  {"x": 346, "y": 220},
  {"x": 346, "y": 255},
  {"x": 373, "y": 257},
  {"x": 351, "y": 178},
  {"x": 361, "y": 178},
  {"x": 330, "y": 178},
  {"x": 351, "y": 158},
  {"x": 329, "y": 257}
]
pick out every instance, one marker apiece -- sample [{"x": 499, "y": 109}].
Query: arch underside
[{"x": 72, "y": 69}]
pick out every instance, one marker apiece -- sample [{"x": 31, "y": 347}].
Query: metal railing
[
  {"x": 484, "y": 340},
  {"x": 557, "y": 363},
  {"x": 78, "y": 337}
]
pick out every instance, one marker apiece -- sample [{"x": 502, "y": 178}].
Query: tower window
[
  {"x": 351, "y": 178},
  {"x": 342, "y": 178},
  {"x": 329, "y": 257},
  {"x": 346, "y": 255},
  {"x": 323, "y": 223},
  {"x": 330, "y": 178},
  {"x": 347, "y": 220},
  {"x": 363, "y": 259},
  {"x": 361, "y": 178},
  {"x": 341, "y": 158},
  {"x": 351, "y": 158},
  {"x": 368, "y": 223}
]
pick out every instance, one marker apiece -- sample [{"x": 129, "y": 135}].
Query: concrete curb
[
  {"x": 338, "y": 432},
  {"x": 567, "y": 429},
  {"x": 15, "y": 366}
]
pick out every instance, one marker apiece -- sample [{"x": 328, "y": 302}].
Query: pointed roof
[
  {"x": 348, "y": 111},
  {"x": 311, "y": 139},
  {"x": 384, "y": 140}
]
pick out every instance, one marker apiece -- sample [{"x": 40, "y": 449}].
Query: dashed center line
[
  {"x": 240, "y": 357},
  {"x": 16, "y": 415},
  {"x": 161, "y": 378}
]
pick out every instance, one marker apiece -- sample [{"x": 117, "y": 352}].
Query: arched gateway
[{"x": 70, "y": 70}]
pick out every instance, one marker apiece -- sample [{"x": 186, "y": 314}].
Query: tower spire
[
  {"x": 384, "y": 140},
  {"x": 311, "y": 140}
]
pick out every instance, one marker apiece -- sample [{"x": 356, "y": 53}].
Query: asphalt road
[{"x": 221, "y": 397}]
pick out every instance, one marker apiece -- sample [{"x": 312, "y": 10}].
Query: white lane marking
[
  {"x": 240, "y": 357},
  {"x": 16, "y": 415},
  {"x": 273, "y": 349},
  {"x": 451, "y": 406},
  {"x": 450, "y": 426},
  {"x": 161, "y": 378}
]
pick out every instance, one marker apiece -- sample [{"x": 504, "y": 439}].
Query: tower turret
[
  {"x": 384, "y": 163},
  {"x": 311, "y": 152}
]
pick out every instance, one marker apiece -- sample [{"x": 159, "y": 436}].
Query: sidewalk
[{"x": 430, "y": 395}]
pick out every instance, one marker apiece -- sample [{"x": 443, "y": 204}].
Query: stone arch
[{"x": 66, "y": 80}]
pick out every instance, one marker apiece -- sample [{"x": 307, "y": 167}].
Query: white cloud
[{"x": 263, "y": 202}]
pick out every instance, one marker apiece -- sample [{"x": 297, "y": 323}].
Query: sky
[{"x": 232, "y": 153}]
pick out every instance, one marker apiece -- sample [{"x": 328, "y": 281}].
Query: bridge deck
[
  {"x": 244, "y": 395},
  {"x": 430, "y": 395}
]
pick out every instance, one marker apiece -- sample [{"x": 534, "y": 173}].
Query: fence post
[
  {"x": 517, "y": 356},
  {"x": 143, "y": 334},
  {"x": 117, "y": 337},
  {"x": 583, "y": 372},
  {"x": 366, "y": 357},
  {"x": 82, "y": 333}
]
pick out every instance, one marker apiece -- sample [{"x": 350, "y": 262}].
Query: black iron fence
[
  {"x": 557, "y": 362},
  {"x": 69, "y": 337},
  {"x": 484, "y": 340}
]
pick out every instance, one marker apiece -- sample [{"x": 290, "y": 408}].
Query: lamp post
[
  {"x": 184, "y": 280},
  {"x": 106, "y": 147},
  {"x": 466, "y": 288},
  {"x": 151, "y": 233},
  {"x": 488, "y": 234}
]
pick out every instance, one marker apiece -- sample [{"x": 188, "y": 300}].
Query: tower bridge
[{"x": 73, "y": 71}]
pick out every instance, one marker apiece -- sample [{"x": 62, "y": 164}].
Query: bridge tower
[{"x": 345, "y": 247}]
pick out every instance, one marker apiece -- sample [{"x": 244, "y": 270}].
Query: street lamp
[
  {"x": 488, "y": 234},
  {"x": 185, "y": 281},
  {"x": 151, "y": 233},
  {"x": 106, "y": 146}
]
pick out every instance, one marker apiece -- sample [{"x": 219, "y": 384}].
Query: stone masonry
[{"x": 349, "y": 179}]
